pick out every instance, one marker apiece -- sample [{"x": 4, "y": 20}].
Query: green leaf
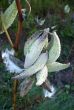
[
  {"x": 9, "y": 15},
  {"x": 41, "y": 76},
  {"x": 54, "y": 47},
  {"x": 55, "y": 66},
  {"x": 37, "y": 66}
]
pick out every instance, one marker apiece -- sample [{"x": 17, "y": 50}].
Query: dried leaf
[
  {"x": 9, "y": 15},
  {"x": 37, "y": 66},
  {"x": 55, "y": 47},
  {"x": 41, "y": 76},
  {"x": 55, "y": 66},
  {"x": 25, "y": 86}
]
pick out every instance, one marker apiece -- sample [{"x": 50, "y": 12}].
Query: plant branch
[
  {"x": 16, "y": 45},
  {"x": 14, "y": 94},
  {"x": 20, "y": 20},
  {"x": 18, "y": 4}
]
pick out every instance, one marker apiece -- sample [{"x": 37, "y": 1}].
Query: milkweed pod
[
  {"x": 37, "y": 66},
  {"x": 54, "y": 47},
  {"x": 41, "y": 76},
  {"x": 35, "y": 49},
  {"x": 56, "y": 66}
]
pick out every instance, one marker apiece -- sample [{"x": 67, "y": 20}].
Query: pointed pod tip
[
  {"x": 37, "y": 84},
  {"x": 68, "y": 64},
  {"x": 42, "y": 76}
]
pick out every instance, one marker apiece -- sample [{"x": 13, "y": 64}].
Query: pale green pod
[
  {"x": 30, "y": 41},
  {"x": 35, "y": 49},
  {"x": 56, "y": 66},
  {"x": 54, "y": 47},
  {"x": 41, "y": 76},
  {"x": 37, "y": 66}
]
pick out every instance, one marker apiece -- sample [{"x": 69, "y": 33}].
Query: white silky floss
[
  {"x": 49, "y": 94},
  {"x": 10, "y": 66}
]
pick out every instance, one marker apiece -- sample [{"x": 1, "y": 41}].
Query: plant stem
[
  {"x": 14, "y": 94},
  {"x": 16, "y": 45},
  {"x": 20, "y": 20}
]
